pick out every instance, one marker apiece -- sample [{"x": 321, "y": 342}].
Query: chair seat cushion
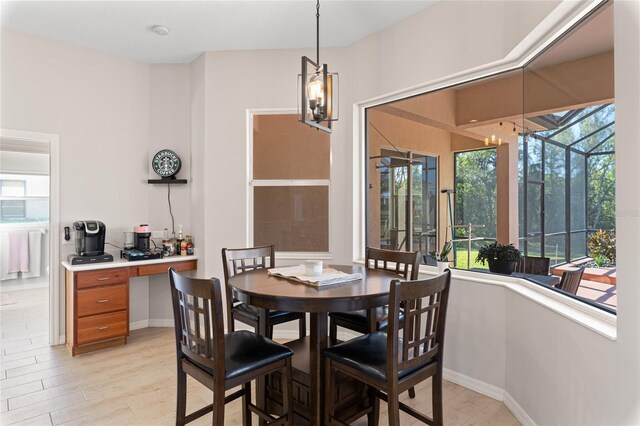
[
  {"x": 357, "y": 320},
  {"x": 250, "y": 313},
  {"x": 246, "y": 351},
  {"x": 368, "y": 354}
]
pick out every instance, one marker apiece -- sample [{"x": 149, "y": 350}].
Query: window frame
[
  {"x": 25, "y": 198},
  {"x": 594, "y": 318},
  {"x": 253, "y": 183}
]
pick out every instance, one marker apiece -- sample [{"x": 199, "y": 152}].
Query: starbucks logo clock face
[{"x": 166, "y": 163}]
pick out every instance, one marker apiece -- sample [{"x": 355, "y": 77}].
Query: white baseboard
[
  {"x": 168, "y": 323},
  {"x": 517, "y": 410},
  {"x": 474, "y": 384},
  {"x": 138, "y": 325},
  {"x": 151, "y": 323}
]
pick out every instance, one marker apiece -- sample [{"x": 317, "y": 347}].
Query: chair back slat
[
  {"x": 197, "y": 306},
  {"x": 236, "y": 261},
  {"x": 406, "y": 264},
  {"x": 421, "y": 338},
  {"x": 570, "y": 281}
]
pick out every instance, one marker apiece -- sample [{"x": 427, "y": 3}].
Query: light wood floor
[{"x": 135, "y": 384}]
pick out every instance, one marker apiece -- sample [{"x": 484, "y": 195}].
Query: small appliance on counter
[
  {"x": 89, "y": 243},
  {"x": 141, "y": 245}
]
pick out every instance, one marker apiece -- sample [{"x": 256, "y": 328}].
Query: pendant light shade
[{"x": 317, "y": 89}]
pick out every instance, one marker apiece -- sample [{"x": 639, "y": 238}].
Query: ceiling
[{"x": 124, "y": 27}]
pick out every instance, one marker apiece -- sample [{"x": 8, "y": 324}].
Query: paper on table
[{"x": 329, "y": 275}]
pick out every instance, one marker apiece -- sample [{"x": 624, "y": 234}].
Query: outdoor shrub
[
  {"x": 500, "y": 252},
  {"x": 603, "y": 243},
  {"x": 600, "y": 261}
]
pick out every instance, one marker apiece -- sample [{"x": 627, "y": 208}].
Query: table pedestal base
[{"x": 351, "y": 396}]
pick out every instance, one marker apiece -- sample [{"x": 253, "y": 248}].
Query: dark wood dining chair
[
  {"x": 570, "y": 281},
  {"x": 533, "y": 265},
  {"x": 236, "y": 261},
  {"x": 221, "y": 361},
  {"x": 405, "y": 264},
  {"x": 392, "y": 361}
]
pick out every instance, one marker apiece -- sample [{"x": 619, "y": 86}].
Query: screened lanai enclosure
[
  {"x": 524, "y": 158},
  {"x": 566, "y": 176}
]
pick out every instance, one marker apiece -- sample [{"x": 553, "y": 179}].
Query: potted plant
[
  {"x": 502, "y": 258},
  {"x": 441, "y": 257}
]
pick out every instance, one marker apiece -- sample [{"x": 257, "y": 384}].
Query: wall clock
[{"x": 166, "y": 164}]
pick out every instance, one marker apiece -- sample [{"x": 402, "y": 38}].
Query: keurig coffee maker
[{"x": 89, "y": 243}]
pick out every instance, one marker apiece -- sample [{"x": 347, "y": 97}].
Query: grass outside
[{"x": 462, "y": 261}]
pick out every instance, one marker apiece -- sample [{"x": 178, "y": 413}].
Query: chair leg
[
  {"x": 302, "y": 326},
  {"x": 333, "y": 330},
  {"x": 270, "y": 331},
  {"x": 329, "y": 389},
  {"x": 412, "y": 392},
  {"x": 181, "y": 405},
  {"x": 436, "y": 389},
  {"x": 373, "y": 417},
  {"x": 218, "y": 408},
  {"x": 246, "y": 398},
  {"x": 393, "y": 405},
  {"x": 287, "y": 398}
]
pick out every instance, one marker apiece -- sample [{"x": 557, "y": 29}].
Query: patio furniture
[
  {"x": 393, "y": 361},
  {"x": 221, "y": 361},
  {"x": 235, "y": 261},
  {"x": 571, "y": 281},
  {"x": 533, "y": 265}
]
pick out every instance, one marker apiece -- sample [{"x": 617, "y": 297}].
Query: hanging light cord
[{"x": 318, "y": 32}]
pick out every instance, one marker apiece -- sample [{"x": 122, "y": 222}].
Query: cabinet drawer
[
  {"x": 102, "y": 299},
  {"x": 102, "y": 327},
  {"x": 163, "y": 268},
  {"x": 101, "y": 277}
]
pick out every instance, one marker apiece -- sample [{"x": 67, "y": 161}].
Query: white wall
[
  {"x": 98, "y": 105},
  {"x": 169, "y": 127},
  {"x": 234, "y": 86}
]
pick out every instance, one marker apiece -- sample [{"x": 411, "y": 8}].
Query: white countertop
[{"x": 121, "y": 263}]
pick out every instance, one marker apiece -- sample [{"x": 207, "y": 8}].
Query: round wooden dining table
[{"x": 268, "y": 292}]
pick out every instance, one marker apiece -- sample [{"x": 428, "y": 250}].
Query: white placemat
[{"x": 329, "y": 275}]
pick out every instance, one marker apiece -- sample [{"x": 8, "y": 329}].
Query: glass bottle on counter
[
  {"x": 178, "y": 245},
  {"x": 165, "y": 242},
  {"x": 189, "y": 245}
]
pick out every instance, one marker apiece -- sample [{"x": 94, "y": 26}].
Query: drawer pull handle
[
  {"x": 103, "y": 278},
  {"x": 102, "y": 300},
  {"x": 103, "y": 328}
]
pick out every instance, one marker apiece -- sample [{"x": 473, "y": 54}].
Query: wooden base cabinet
[
  {"x": 98, "y": 300},
  {"x": 97, "y": 309}
]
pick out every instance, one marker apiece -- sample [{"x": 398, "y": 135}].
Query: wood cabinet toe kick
[{"x": 97, "y": 301}]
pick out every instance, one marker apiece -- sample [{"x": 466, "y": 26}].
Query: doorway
[{"x": 29, "y": 296}]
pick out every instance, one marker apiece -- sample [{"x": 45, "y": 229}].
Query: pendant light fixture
[{"x": 317, "y": 89}]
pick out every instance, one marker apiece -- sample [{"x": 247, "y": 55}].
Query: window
[
  {"x": 403, "y": 187},
  {"x": 24, "y": 198},
  {"x": 525, "y": 157},
  {"x": 289, "y": 184},
  {"x": 475, "y": 205}
]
